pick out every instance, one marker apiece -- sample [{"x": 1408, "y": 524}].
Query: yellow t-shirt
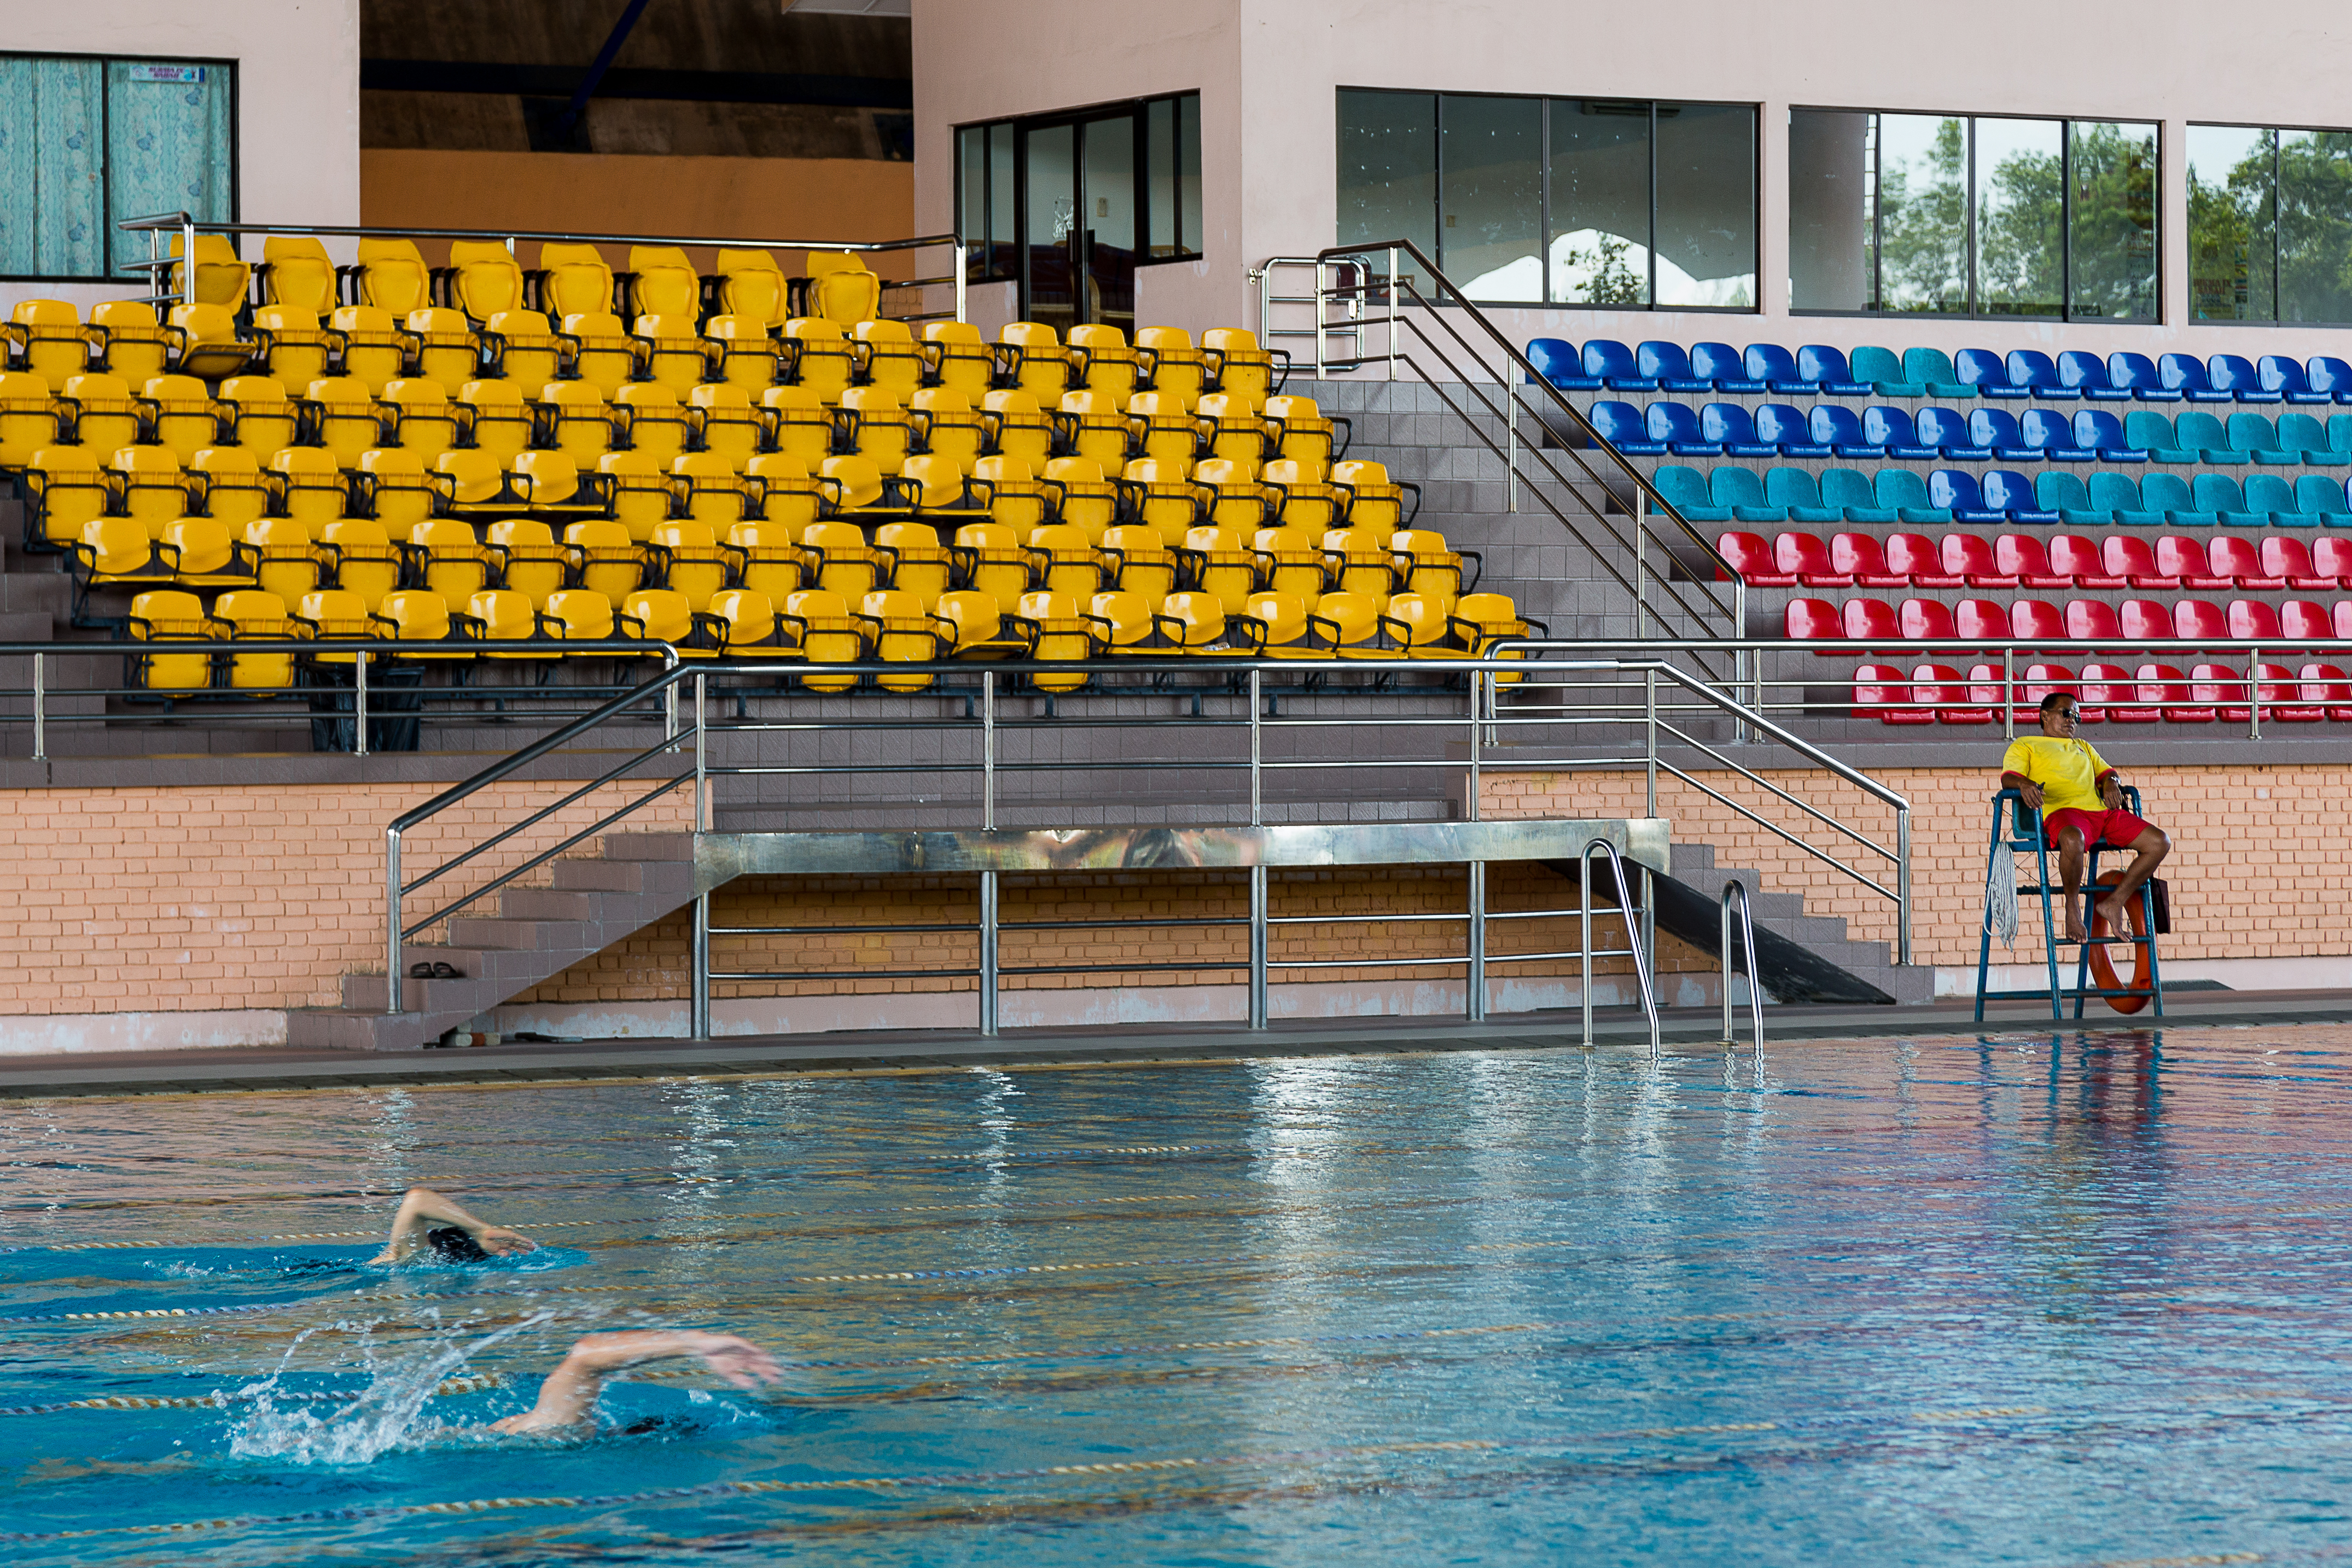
[{"x": 2067, "y": 770}]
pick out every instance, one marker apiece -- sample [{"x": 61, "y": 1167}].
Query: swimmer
[
  {"x": 567, "y": 1400},
  {"x": 461, "y": 1238}
]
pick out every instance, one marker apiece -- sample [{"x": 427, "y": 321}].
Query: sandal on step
[
  {"x": 420, "y": 971},
  {"x": 446, "y": 972}
]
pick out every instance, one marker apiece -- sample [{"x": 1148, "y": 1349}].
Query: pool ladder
[
  {"x": 1736, "y": 891},
  {"x": 1634, "y": 948}
]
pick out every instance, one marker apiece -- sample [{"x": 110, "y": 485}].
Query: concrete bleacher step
[
  {"x": 1804, "y": 957},
  {"x": 539, "y": 932}
]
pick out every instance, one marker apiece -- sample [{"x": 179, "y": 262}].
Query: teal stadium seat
[
  {"x": 2201, "y": 430},
  {"x": 1884, "y": 371},
  {"x": 2063, "y": 491},
  {"x": 1904, "y": 491},
  {"x": 1800, "y": 495},
  {"x": 2220, "y": 495},
  {"x": 2145, "y": 430},
  {"x": 1742, "y": 490},
  {"x": 2118, "y": 495},
  {"x": 1686, "y": 491},
  {"x": 2305, "y": 435},
  {"x": 2273, "y": 498},
  {"x": 2169, "y": 494},
  {"x": 1848, "y": 490},
  {"x": 2323, "y": 499},
  {"x": 2258, "y": 438},
  {"x": 1932, "y": 369}
]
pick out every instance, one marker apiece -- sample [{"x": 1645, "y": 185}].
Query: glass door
[
  {"x": 1108, "y": 204},
  {"x": 1050, "y": 231}
]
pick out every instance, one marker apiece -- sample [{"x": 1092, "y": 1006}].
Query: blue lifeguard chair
[{"x": 2016, "y": 831}]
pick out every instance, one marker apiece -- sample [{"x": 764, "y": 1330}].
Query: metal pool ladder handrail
[
  {"x": 1748, "y": 943},
  {"x": 1633, "y": 947}
]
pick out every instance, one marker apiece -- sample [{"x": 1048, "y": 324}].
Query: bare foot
[
  {"x": 2111, "y": 911},
  {"x": 2075, "y": 932}
]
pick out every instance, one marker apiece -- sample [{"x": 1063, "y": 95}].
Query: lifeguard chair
[{"x": 2017, "y": 831}]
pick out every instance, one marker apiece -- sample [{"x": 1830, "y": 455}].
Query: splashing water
[{"x": 386, "y": 1415}]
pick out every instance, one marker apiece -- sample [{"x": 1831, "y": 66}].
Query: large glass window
[
  {"x": 85, "y": 143},
  {"x": 1607, "y": 202},
  {"x": 2270, "y": 225},
  {"x": 1950, "y": 215}
]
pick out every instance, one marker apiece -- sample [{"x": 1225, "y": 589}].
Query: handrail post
[
  {"x": 1650, "y": 719},
  {"x": 188, "y": 258},
  {"x": 1641, "y": 566},
  {"x": 1260, "y": 895},
  {"x": 963, "y": 276},
  {"x": 392, "y": 921},
  {"x": 1320, "y": 268},
  {"x": 1747, "y": 940},
  {"x": 1511, "y": 434},
  {"x": 1474, "y": 1008},
  {"x": 1632, "y": 938},
  {"x": 40, "y": 724},
  {"x": 2009, "y": 693},
  {"x": 359, "y": 702},
  {"x": 1476, "y": 781},
  {"x": 988, "y": 749},
  {"x": 702, "y": 817},
  {"x": 987, "y": 953},
  {"x": 1903, "y": 885},
  {"x": 698, "y": 1007},
  {"x": 1257, "y": 749},
  {"x": 1392, "y": 311},
  {"x": 2253, "y": 692}
]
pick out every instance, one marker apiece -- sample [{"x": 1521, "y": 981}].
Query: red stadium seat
[
  {"x": 1809, "y": 558},
  {"x": 2332, "y": 557},
  {"x": 2109, "y": 691},
  {"x": 1985, "y": 683},
  {"x": 2252, "y": 620},
  {"x": 2200, "y": 619},
  {"x": 1751, "y": 558},
  {"x": 2091, "y": 621},
  {"x": 2221, "y": 685},
  {"x": 1863, "y": 558},
  {"x": 1923, "y": 619},
  {"x": 2184, "y": 558},
  {"x": 2042, "y": 680},
  {"x": 2326, "y": 684},
  {"x": 2131, "y": 560},
  {"x": 1969, "y": 558},
  {"x": 2282, "y": 697},
  {"x": 2165, "y": 687},
  {"x": 1810, "y": 620},
  {"x": 2340, "y": 612},
  {"x": 2304, "y": 620},
  {"x": 1941, "y": 685},
  {"x": 2145, "y": 618},
  {"x": 1985, "y": 618},
  {"x": 2077, "y": 560},
  {"x": 2036, "y": 620},
  {"x": 1914, "y": 557},
  {"x": 1871, "y": 621},
  {"x": 2021, "y": 557},
  {"x": 1881, "y": 692},
  {"x": 2290, "y": 561},
  {"x": 2235, "y": 557}
]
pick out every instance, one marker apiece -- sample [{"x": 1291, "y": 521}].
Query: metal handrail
[
  {"x": 1633, "y": 945},
  {"x": 1755, "y": 984}
]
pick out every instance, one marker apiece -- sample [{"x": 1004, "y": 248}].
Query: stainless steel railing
[{"x": 1736, "y": 890}]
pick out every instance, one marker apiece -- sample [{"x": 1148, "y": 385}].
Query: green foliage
[
  {"x": 1611, "y": 281},
  {"x": 1923, "y": 231}
]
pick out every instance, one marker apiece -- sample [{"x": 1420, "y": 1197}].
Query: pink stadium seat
[
  {"x": 1862, "y": 557},
  {"x": 2181, "y": 556},
  {"x": 1985, "y": 618},
  {"x": 2131, "y": 560},
  {"x": 2282, "y": 697},
  {"x": 1810, "y": 620},
  {"x": 2290, "y": 561},
  {"x": 2036, "y": 620},
  {"x": 1941, "y": 685},
  {"x": 1969, "y": 558},
  {"x": 1805, "y": 555},
  {"x": 1914, "y": 557},
  {"x": 2021, "y": 557},
  {"x": 1871, "y": 621},
  {"x": 2077, "y": 560},
  {"x": 2200, "y": 619},
  {"x": 1881, "y": 692},
  {"x": 2221, "y": 685},
  {"x": 2165, "y": 687},
  {"x": 2252, "y": 620},
  {"x": 1985, "y": 683},
  {"x": 2042, "y": 680},
  {"x": 2327, "y": 685},
  {"x": 2110, "y": 691},
  {"x": 2091, "y": 621},
  {"x": 2235, "y": 557},
  {"x": 2304, "y": 620},
  {"x": 2340, "y": 614},
  {"x": 1923, "y": 619},
  {"x": 1752, "y": 559},
  {"x": 2332, "y": 557}
]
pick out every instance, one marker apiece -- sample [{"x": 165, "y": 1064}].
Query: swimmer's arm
[
  {"x": 423, "y": 1207},
  {"x": 568, "y": 1398}
]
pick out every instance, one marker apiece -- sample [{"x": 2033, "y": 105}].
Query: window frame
[
  {"x": 2277, "y": 317},
  {"x": 105, "y": 151},
  {"x": 2065, "y": 123}
]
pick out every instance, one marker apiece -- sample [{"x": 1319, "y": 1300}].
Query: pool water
[{"x": 2029, "y": 1299}]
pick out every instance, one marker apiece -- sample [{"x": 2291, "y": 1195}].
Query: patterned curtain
[
  {"x": 167, "y": 146},
  {"x": 52, "y": 188}
]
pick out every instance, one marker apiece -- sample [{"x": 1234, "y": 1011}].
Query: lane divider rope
[{"x": 453, "y": 1385}]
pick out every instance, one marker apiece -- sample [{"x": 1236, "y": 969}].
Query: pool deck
[{"x": 907, "y": 1052}]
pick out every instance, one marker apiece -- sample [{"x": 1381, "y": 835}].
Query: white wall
[{"x": 297, "y": 98}]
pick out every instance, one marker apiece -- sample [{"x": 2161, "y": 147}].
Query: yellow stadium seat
[
  {"x": 1062, "y": 560},
  {"x": 913, "y": 560},
  {"x": 745, "y": 626},
  {"x": 339, "y": 416},
  {"x": 291, "y": 346},
  {"x": 641, "y": 494},
  {"x": 256, "y": 414},
  {"x": 1101, "y": 362},
  {"x": 1216, "y": 562},
  {"x": 887, "y": 357},
  {"x": 782, "y": 489},
  {"x": 221, "y": 275},
  {"x": 1159, "y": 494},
  {"x": 655, "y": 420},
  {"x": 709, "y": 489},
  {"x": 446, "y": 558},
  {"x": 1358, "y": 560},
  {"x": 1139, "y": 562},
  {"x": 508, "y": 625},
  {"x": 574, "y": 279},
  {"x": 545, "y": 480},
  {"x": 821, "y": 628},
  {"x": 297, "y": 271},
  {"x": 1301, "y": 497},
  {"x": 873, "y": 425},
  {"x": 1195, "y": 623},
  {"x": 1232, "y": 428},
  {"x": 1240, "y": 367},
  {"x": 726, "y": 421},
  {"x": 958, "y": 359},
  {"x": 1016, "y": 426},
  {"x": 821, "y": 360},
  {"x": 937, "y": 488},
  {"x": 1418, "y": 621},
  {"x": 662, "y": 282},
  {"x": 798, "y": 425},
  {"x": 394, "y": 488},
  {"x": 1058, "y": 631},
  {"x": 66, "y": 490},
  {"x": 604, "y": 560},
  {"x": 494, "y": 418},
  {"x": 1288, "y": 562},
  {"x": 229, "y": 485},
  {"x": 1123, "y": 623},
  {"x": 446, "y": 350},
  {"x": 766, "y": 556},
  {"x": 372, "y": 347},
  {"x": 1482, "y": 620},
  {"x": 256, "y": 615},
  {"x": 1348, "y": 625},
  {"x": 743, "y": 352},
  {"x": 333, "y": 614},
  {"x": 989, "y": 557},
  {"x": 307, "y": 485},
  {"x": 672, "y": 352},
  {"x": 473, "y": 479},
  {"x": 1372, "y": 499},
  {"x": 686, "y": 559},
  {"x": 578, "y": 615},
  {"x": 179, "y": 414},
  {"x": 1090, "y": 425},
  {"x": 422, "y": 419},
  {"x": 1172, "y": 366},
  {"x": 129, "y": 341},
  {"x": 857, "y": 482},
  {"x": 523, "y": 347},
  {"x": 115, "y": 551},
  {"x": 285, "y": 563},
  {"x": 149, "y": 485},
  {"x": 663, "y": 615},
  {"x": 28, "y": 418},
  {"x": 750, "y": 284},
  {"x": 49, "y": 340},
  {"x": 1426, "y": 564},
  {"x": 603, "y": 355},
  {"x": 169, "y": 616},
  {"x": 1014, "y": 496},
  {"x": 979, "y": 629},
  {"x": 841, "y": 288},
  {"x": 574, "y": 420},
  {"x": 1030, "y": 357},
  {"x": 419, "y": 615},
  {"x": 947, "y": 427},
  {"x": 1278, "y": 623},
  {"x": 1082, "y": 496},
  {"x": 105, "y": 415},
  {"x": 525, "y": 560},
  {"x": 393, "y": 275},
  {"x": 484, "y": 279},
  {"x": 1161, "y": 425},
  {"x": 202, "y": 555},
  {"x": 1232, "y": 495},
  {"x": 901, "y": 630},
  {"x": 204, "y": 342},
  {"x": 840, "y": 560},
  {"x": 1303, "y": 431}
]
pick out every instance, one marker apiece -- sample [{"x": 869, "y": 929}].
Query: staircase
[
  {"x": 539, "y": 932},
  {"x": 1804, "y": 957}
]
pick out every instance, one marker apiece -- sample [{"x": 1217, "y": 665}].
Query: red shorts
[{"x": 2116, "y": 830}]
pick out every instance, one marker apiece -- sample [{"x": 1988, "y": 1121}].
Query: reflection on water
[{"x": 2029, "y": 1297}]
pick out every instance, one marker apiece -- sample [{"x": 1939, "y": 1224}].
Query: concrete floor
[{"x": 916, "y": 1052}]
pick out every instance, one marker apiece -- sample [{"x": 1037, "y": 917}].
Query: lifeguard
[{"x": 2082, "y": 803}]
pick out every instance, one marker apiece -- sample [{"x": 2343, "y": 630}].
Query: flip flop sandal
[
  {"x": 446, "y": 972},
  {"x": 420, "y": 971}
]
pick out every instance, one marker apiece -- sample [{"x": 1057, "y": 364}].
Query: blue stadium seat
[
  {"x": 1612, "y": 362},
  {"x": 1904, "y": 492},
  {"x": 1893, "y": 429},
  {"x": 2329, "y": 500},
  {"x": 2009, "y": 492},
  {"x": 1742, "y": 490},
  {"x": 2118, "y": 496},
  {"x": 2235, "y": 374},
  {"x": 1846, "y": 490},
  {"x": 1947, "y": 430},
  {"x": 1788, "y": 429},
  {"x": 2330, "y": 375},
  {"x": 2087, "y": 373},
  {"x": 1983, "y": 369},
  {"x": 1932, "y": 368},
  {"x": 2030, "y": 368},
  {"x": 2272, "y": 497},
  {"x": 1676, "y": 425},
  {"x": 2258, "y": 438},
  {"x": 1686, "y": 491},
  {"x": 2169, "y": 494},
  {"x": 1956, "y": 492},
  {"x": 2305, "y": 435},
  {"x": 2052, "y": 434},
  {"x": 1796, "y": 491},
  {"x": 1669, "y": 365},
  {"x": 1730, "y": 424},
  {"x": 2097, "y": 429},
  {"x": 2199, "y": 430},
  {"x": 1820, "y": 363},
  {"x": 1882, "y": 372},
  {"x": 1776, "y": 369},
  {"x": 1620, "y": 424},
  {"x": 2150, "y": 431},
  {"x": 2138, "y": 373},
  {"x": 2185, "y": 373},
  {"x": 2284, "y": 376},
  {"x": 1557, "y": 361},
  {"x": 1839, "y": 429},
  {"x": 2218, "y": 494},
  {"x": 2061, "y": 491},
  {"x": 1720, "y": 364},
  {"x": 1994, "y": 430}
]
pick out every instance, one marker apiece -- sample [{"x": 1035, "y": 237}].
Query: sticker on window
[{"x": 176, "y": 75}]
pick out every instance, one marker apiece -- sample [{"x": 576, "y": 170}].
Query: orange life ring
[{"x": 2103, "y": 970}]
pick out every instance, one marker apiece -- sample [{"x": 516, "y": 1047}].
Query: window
[
  {"x": 2270, "y": 225},
  {"x": 1953, "y": 215},
  {"x": 85, "y": 143},
  {"x": 1121, "y": 183}
]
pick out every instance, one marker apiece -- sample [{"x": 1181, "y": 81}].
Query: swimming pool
[{"x": 2024, "y": 1299}]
